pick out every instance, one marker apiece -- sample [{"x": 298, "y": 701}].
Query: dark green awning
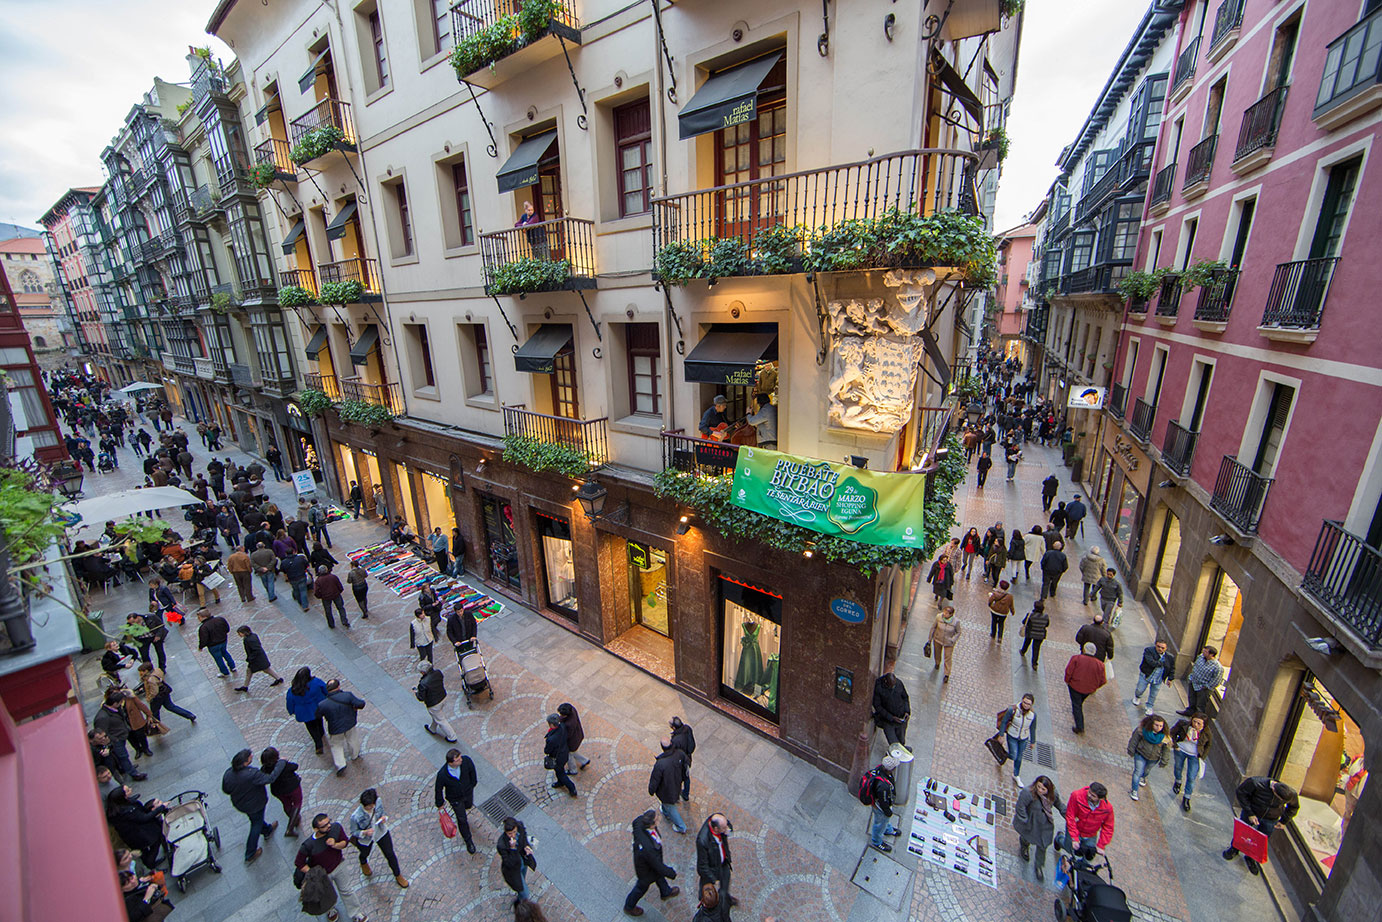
[
  {"x": 359, "y": 353},
  {"x": 521, "y": 167},
  {"x": 337, "y": 228},
  {"x": 730, "y": 353},
  {"x": 953, "y": 83},
  {"x": 318, "y": 66},
  {"x": 939, "y": 365},
  {"x": 295, "y": 233},
  {"x": 537, "y": 355},
  {"x": 729, "y": 97},
  {"x": 314, "y": 345}
]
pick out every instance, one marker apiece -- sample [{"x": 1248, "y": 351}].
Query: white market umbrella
[
  {"x": 140, "y": 386},
  {"x": 113, "y": 507}
]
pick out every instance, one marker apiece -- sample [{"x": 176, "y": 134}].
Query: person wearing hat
[
  {"x": 714, "y": 422},
  {"x": 883, "y": 792}
]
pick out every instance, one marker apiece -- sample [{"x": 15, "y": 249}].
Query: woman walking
[
  {"x": 256, "y": 660},
  {"x": 1149, "y": 744},
  {"x": 159, "y": 693},
  {"x": 1018, "y": 723},
  {"x": 996, "y": 559},
  {"x": 358, "y": 578},
  {"x": 1000, "y": 606},
  {"x": 1034, "y": 820},
  {"x": 969, "y": 546},
  {"x": 1034, "y": 631},
  {"x": 944, "y": 633},
  {"x": 304, "y": 694},
  {"x": 575, "y": 734},
  {"x": 287, "y": 787},
  {"x": 1191, "y": 739},
  {"x": 1017, "y": 554},
  {"x": 1034, "y": 544},
  {"x": 942, "y": 580}
]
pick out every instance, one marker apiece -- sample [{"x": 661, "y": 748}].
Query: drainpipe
[{"x": 660, "y": 94}]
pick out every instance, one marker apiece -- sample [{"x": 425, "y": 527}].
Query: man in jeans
[
  {"x": 1088, "y": 820},
  {"x": 245, "y": 785},
  {"x": 265, "y": 563},
  {"x": 883, "y": 793},
  {"x": 316, "y": 520},
  {"x": 211, "y": 637},
  {"x": 1205, "y": 676},
  {"x": 325, "y": 848},
  {"x": 1157, "y": 668},
  {"x": 295, "y": 569},
  {"x": 357, "y": 496},
  {"x": 438, "y": 542},
  {"x": 669, "y": 771}
]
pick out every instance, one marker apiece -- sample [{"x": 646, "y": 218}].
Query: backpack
[
  {"x": 866, "y": 787},
  {"x": 318, "y": 893},
  {"x": 316, "y": 515}
]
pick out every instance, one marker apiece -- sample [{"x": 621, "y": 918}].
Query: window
[
  {"x": 496, "y": 519},
  {"x": 1179, "y": 129},
  {"x": 420, "y": 355},
  {"x": 1338, "y": 198},
  {"x": 558, "y": 564},
  {"x": 754, "y": 150},
  {"x": 441, "y": 24},
  {"x": 381, "y": 61},
  {"x": 1273, "y": 429},
  {"x": 1203, "y": 375},
  {"x": 641, "y": 340},
  {"x": 1283, "y": 54},
  {"x": 1158, "y": 375},
  {"x": 633, "y": 139},
  {"x": 565, "y": 399},
  {"x": 1245, "y": 210},
  {"x": 1223, "y": 619},
  {"x": 1167, "y": 552},
  {"x": 465, "y": 227},
  {"x": 1130, "y": 363},
  {"x": 475, "y": 359},
  {"x": 1188, "y": 241},
  {"x": 751, "y": 645},
  {"x": 1214, "y": 108},
  {"x": 402, "y": 228}
]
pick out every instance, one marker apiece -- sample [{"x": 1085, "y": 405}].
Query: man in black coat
[
  {"x": 456, "y": 787},
  {"x": 1074, "y": 515},
  {"x": 1053, "y": 565},
  {"x": 256, "y": 660},
  {"x": 556, "y": 746},
  {"x": 431, "y": 691},
  {"x": 891, "y": 708},
  {"x": 212, "y": 634},
  {"x": 665, "y": 782},
  {"x": 1049, "y": 488},
  {"x": 112, "y": 721},
  {"x": 341, "y": 711},
  {"x": 1266, "y": 803},
  {"x": 461, "y": 627},
  {"x": 685, "y": 740},
  {"x": 247, "y": 788},
  {"x": 1097, "y": 633},
  {"x": 713, "y": 859},
  {"x": 648, "y": 864}
]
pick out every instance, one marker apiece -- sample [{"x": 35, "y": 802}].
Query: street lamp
[
  {"x": 67, "y": 477},
  {"x": 592, "y": 496}
]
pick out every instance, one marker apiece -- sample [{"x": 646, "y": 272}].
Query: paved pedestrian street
[{"x": 799, "y": 834}]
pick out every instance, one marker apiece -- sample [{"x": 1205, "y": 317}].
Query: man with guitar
[{"x": 714, "y": 422}]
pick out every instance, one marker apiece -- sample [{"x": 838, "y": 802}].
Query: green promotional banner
[{"x": 833, "y": 499}]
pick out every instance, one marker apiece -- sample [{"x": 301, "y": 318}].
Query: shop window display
[
  {"x": 1129, "y": 513},
  {"x": 559, "y": 563},
  {"x": 1225, "y": 619},
  {"x": 1166, "y": 557},
  {"x": 648, "y": 587},
  {"x": 497, "y": 517},
  {"x": 751, "y": 627},
  {"x": 1322, "y": 758}
]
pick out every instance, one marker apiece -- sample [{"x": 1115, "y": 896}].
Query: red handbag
[
  {"x": 448, "y": 825},
  {"x": 1250, "y": 841}
]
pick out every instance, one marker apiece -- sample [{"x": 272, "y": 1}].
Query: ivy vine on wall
[{"x": 539, "y": 456}]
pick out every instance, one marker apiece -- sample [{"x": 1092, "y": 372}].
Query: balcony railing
[
  {"x": 1136, "y": 164},
  {"x": 1228, "y": 18},
  {"x": 243, "y": 376},
  {"x": 1137, "y": 305},
  {"x": 364, "y": 271},
  {"x": 1097, "y": 279},
  {"x": 1185, "y": 65},
  {"x": 278, "y": 154},
  {"x": 586, "y": 436},
  {"x": 1059, "y": 224},
  {"x": 681, "y": 452},
  {"x": 1168, "y": 299},
  {"x": 471, "y": 17},
  {"x": 1200, "y": 161},
  {"x": 1298, "y": 292},
  {"x": 299, "y": 278},
  {"x": 1099, "y": 193},
  {"x": 1178, "y": 451},
  {"x": 1239, "y": 494},
  {"x": 1141, "y": 419},
  {"x": 204, "y": 368},
  {"x": 380, "y": 395},
  {"x": 1216, "y": 296},
  {"x": 1261, "y": 121},
  {"x": 917, "y": 181},
  {"x": 1162, "y": 185},
  {"x": 1117, "y": 400},
  {"x": 331, "y": 112},
  {"x": 1352, "y": 64},
  {"x": 179, "y": 363},
  {"x": 568, "y": 240},
  {"x": 1345, "y": 577},
  {"x": 326, "y": 383},
  {"x": 207, "y": 80}
]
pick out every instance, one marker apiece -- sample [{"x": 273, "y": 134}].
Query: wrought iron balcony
[
  {"x": 681, "y": 452},
  {"x": 299, "y": 278},
  {"x": 277, "y": 154},
  {"x": 556, "y": 255},
  {"x": 1168, "y": 299},
  {"x": 1352, "y": 74},
  {"x": 1227, "y": 20},
  {"x": 1137, "y": 305},
  {"x": 1216, "y": 297},
  {"x": 1162, "y": 185},
  {"x": 321, "y": 381},
  {"x": 1199, "y": 162},
  {"x": 1117, "y": 400},
  {"x": 1185, "y": 66},
  {"x": 364, "y": 271},
  {"x": 484, "y": 21},
  {"x": 1178, "y": 450},
  {"x": 916, "y": 181},
  {"x": 328, "y": 112},
  {"x": 207, "y": 81},
  {"x": 586, "y": 436},
  {"x": 1261, "y": 121},
  {"x": 380, "y": 395},
  {"x": 1298, "y": 292},
  {"x": 1141, "y": 419},
  {"x": 1239, "y": 495},
  {"x": 1345, "y": 578}
]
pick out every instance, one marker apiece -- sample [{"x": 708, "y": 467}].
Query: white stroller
[{"x": 189, "y": 836}]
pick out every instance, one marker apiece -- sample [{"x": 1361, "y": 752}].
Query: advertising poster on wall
[{"x": 955, "y": 828}]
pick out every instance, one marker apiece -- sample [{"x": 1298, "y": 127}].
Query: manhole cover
[
  {"x": 1045, "y": 755},
  {"x": 882, "y": 877},
  {"x": 509, "y": 801}
]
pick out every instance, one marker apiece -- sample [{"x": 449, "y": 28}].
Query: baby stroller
[
  {"x": 474, "y": 678},
  {"x": 1086, "y": 898},
  {"x": 105, "y": 463},
  {"x": 189, "y": 836}
]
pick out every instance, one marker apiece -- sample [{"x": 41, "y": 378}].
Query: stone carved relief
[{"x": 876, "y": 351}]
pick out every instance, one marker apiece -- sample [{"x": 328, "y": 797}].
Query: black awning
[
  {"x": 537, "y": 354},
  {"x": 337, "y": 228},
  {"x": 318, "y": 63},
  {"x": 359, "y": 353},
  {"x": 314, "y": 345},
  {"x": 933, "y": 352},
  {"x": 290, "y": 241},
  {"x": 729, "y": 353},
  {"x": 729, "y": 97},
  {"x": 953, "y": 83},
  {"x": 261, "y": 116},
  {"x": 521, "y": 167}
]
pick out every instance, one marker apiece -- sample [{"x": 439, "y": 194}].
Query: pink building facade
[
  {"x": 1014, "y": 256},
  {"x": 1248, "y": 389},
  {"x": 70, "y": 235}
]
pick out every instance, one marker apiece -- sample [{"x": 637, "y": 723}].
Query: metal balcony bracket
[
  {"x": 493, "y": 149},
  {"x": 598, "y": 334},
  {"x": 356, "y": 176},
  {"x": 662, "y": 38},
  {"x": 672, "y": 312},
  {"x": 822, "y": 320},
  {"x": 383, "y": 327},
  {"x": 581, "y": 120},
  {"x": 511, "y": 327},
  {"x": 823, "y": 43},
  {"x": 933, "y": 23}
]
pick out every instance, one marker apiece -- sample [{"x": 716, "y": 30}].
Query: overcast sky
[
  {"x": 73, "y": 69},
  {"x": 1068, "y": 49}
]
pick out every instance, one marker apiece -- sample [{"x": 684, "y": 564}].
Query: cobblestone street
[{"x": 799, "y": 834}]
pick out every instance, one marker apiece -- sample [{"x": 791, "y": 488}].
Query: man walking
[
  {"x": 1205, "y": 675},
  {"x": 328, "y": 588},
  {"x": 685, "y": 740},
  {"x": 316, "y": 520},
  {"x": 247, "y": 788},
  {"x": 340, "y": 709},
  {"x": 212, "y": 635},
  {"x": 882, "y": 793},
  {"x": 239, "y": 566},
  {"x": 358, "y": 577},
  {"x": 1098, "y": 634},
  {"x": 325, "y": 849},
  {"x": 1088, "y": 820},
  {"x": 438, "y": 542},
  {"x": 1053, "y": 565},
  {"x": 111, "y": 730},
  {"x": 265, "y": 563},
  {"x": 1265, "y": 804},
  {"x": 1092, "y": 567},
  {"x": 357, "y": 497},
  {"x": 665, "y": 783},
  {"x": 713, "y": 859},
  {"x": 431, "y": 691},
  {"x": 557, "y": 748},
  {"x": 275, "y": 459},
  {"x": 368, "y": 825},
  {"x": 295, "y": 567},
  {"x": 1110, "y": 593},
  {"x": 648, "y": 865},
  {"x": 256, "y": 660},
  {"x": 455, "y": 786},
  {"x": 891, "y": 708},
  {"x": 1156, "y": 669},
  {"x": 985, "y": 463},
  {"x": 1049, "y": 488},
  {"x": 1074, "y": 515},
  {"x": 1084, "y": 675}
]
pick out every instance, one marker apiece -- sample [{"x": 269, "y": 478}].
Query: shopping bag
[
  {"x": 1250, "y": 841},
  {"x": 1117, "y": 618},
  {"x": 997, "y": 748},
  {"x": 448, "y": 825},
  {"x": 1108, "y": 670}
]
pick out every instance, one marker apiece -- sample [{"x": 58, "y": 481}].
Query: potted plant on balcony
[
  {"x": 263, "y": 175},
  {"x": 362, "y": 413},
  {"x": 319, "y": 141},
  {"x": 486, "y": 46},
  {"x": 529, "y": 274},
  {"x": 1201, "y": 274},
  {"x": 295, "y": 296},
  {"x": 222, "y": 302},
  {"x": 1137, "y": 286},
  {"x": 314, "y": 402},
  {"x": 349, "y": 291},
  {"x": 996, "y": 140}
]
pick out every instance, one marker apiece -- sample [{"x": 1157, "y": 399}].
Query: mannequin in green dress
[{"x": 749, "y": 675}]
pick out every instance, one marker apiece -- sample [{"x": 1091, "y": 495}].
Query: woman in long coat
[{"x": 1034, "y": 819}]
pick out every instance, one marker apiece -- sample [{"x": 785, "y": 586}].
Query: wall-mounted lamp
[
  {"x": 809, "y": 552},
  {"x": 684, "y": 525},
  {"x": 593, "y": 496},
  {"x": 480, "y": 467}
]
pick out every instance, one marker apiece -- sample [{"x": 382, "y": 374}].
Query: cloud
[
  {"x": 74, "y": 71},
  {"x": 1068, "y": 49}
]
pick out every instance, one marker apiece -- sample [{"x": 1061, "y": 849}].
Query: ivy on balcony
[
  {"x": 295, "y": 296},
  {"x": 349, "y": 291},
  {"x": 529, "y": 274},
  {"x": 1202, "y": 273},
  {"x": 506, "y": 35},
  {"x": 996, "y": 140},
  {"x": 538, "y": 456},
  {"x": 362, "y": 413},
  {"x": 1140, "y": 285},
  {"x": 314, "y": 402},
  {"x": 27, "y": 515},
  {"x": 222, "y": 302},
  {"x": 315, "y": 143}
]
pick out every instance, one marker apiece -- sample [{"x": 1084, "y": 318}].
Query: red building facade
[
  {"x": 36, "y": 428},
  {"x": 70, "y": 233}
]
